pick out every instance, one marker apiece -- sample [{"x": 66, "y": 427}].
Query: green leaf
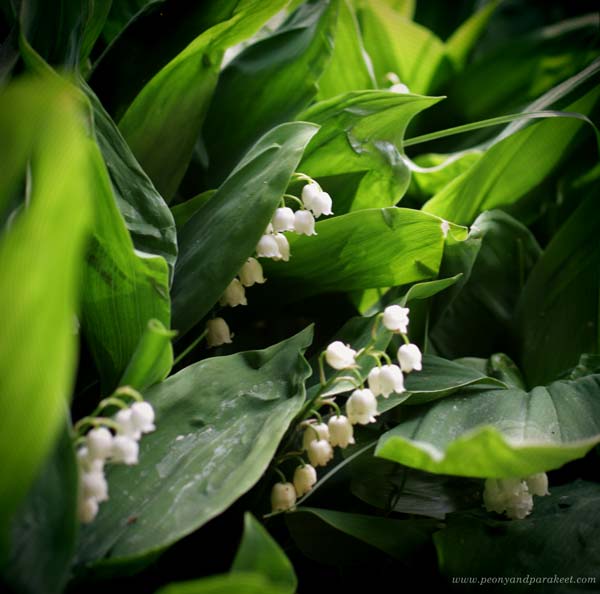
[
  {"x": 439, "y": 378},
  {"x": 479, "y": 545},
  {"x": 144, "y": 210},
  {"x": 121, "y": 14},
  {"x": 219, "y": 423},
  {"x": 348, "y": 69},
  {"x": 361, "y": 250},
  {"x": 152, "y": 360},
  {"x": 473, "y": 318},
  {"x": 41, "y": 253},
  {"x": 558, "y": 311},
  {"x": 397, "y": 44},
  {"x": 314, "y": 530},
  {"x": 164, "y": 120},
  {"x": 45, "y": 528},
  {"x": 260, "y": 553},
  {"x": 361, "y": 133},
  {"x": 239, "y": 211},
  {"x": 183, "y": 212},
  {"x": 512, "y": 167},
  {"x": 499, "y": 433},
  {"x": 270, "y": 82},
  {"x": 123, "y": 289},
  {"x": 233, "y": 583}
]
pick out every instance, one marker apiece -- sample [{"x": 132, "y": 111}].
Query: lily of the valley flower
[
  {"x": 268, "y": 247},
  {"x": 410, "y": 358},
  {"x": 304, "y": 222},
  {"x": 142, "y": 417},
  {"x": 304, "y": 479},
  {"x": 283, "y": 219},
  {"x": 99, "y": 443},
  {"x": 251, "y": 273},
  {"x": 125, "y": 450},
  {"x": 234, "y": 294},
  {"x": 341, "y": 432},
  {"x": 283, "y": 496},
  {"x": 314, "y": 432},
  {"x": 316, "y": 200},
  {"x": 217, "y": 332},
  {"x": 395, "y": 318},
  {"x": 386, "y": 379},
  {"x": 361, "y": 407},
  {"x": 283, "y": 246},
  {"x": 340, "y": 356},
  {"x": 319, "y": 452},
  {"x": 513, "y": 496},
  {"x": 538, "y": 484},
  {"x": 94, "y": 485}
]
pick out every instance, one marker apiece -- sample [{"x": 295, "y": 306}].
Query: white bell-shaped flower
[
  {"x": 87, "y": 509},
  {"x": 314, "y": 432},
  {"x": 319, "y": 452},
  {"x": 126, "y": 426},
  {"x": 234, "y": 294},
  {"x": 99, "y": 443},
  {"x": 125, "y": 450},
  {"x": 395, "y": 318},
  {"x": 251, "y": 273},
  {"x": 142, "y": 417},
  {"x": 283, "y": 246},
  {"x": 87, "y": 463},
  {"x": 93, "y": 484},
  {"x": 322, "y": 205},
  {"x": 268, "y": 247},
  {"x": 341, "y": 432},
  {"x": 283, "y": 496},
  {"x": 390, "y": 379},
  {"x": 361, "y": 407},
  {"x": 310, "y": 193},
  {"x": 373, "y": 381},
  {"x": 410, "y": 358},
  {"x": 340, "y": 356},
  {"x": 304, "y": 222},
  {"x": 510, "y": 496},
  {"x": 283, "y": 219},
  {"x": 217, "y": 332},
  {"x": 304, "y": 479},
  {"x": 538, "y": 484}
]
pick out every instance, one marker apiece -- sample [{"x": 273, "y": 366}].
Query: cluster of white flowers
[
  {"x": 100, "y": 445},
  {"x": 274, "y": 245},
  {"x": 320, "y": 438},
  {"x": 514, "y": 496}
]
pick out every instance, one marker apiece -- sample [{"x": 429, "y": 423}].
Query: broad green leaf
[
  {"x": 499, "y": 433},
  {"x": 439, "y": 378},
  {"x": 315, "y": 530},
  {"x": 349, "y": 68},
  {"x": 164, "y": 120},
  {"x": 183, "y": 212},
  {"x": 260, "y": 553},
  {"x": 41, "y": 255},
  {"x": 361, "y": 250},
  {"x": 361, "y": 133},
  {"x": 232, "y": 583},
  {"x": 146, "y": 214},
  {"x": 503, "y": 368},
  {"x": 473, "y": 318},
  {"x": 397, "y": 44},
  {"x": 152, "y": 360},
  {"x": 121, "y": 14},
  {"x": 557, "y": 541},
  {"x": 44, "y": 529},
  {"x": 239, "y": 212},
  {"x": 219, "y": 423},
  {"x": 512, "y": 167},
  {"x": 270, "y": 82},
  {"x": 558, "y": 313},
  {"x": 123, "y": 288}
]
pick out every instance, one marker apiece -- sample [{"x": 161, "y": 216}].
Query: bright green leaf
[{"x": 232, "y": 583}]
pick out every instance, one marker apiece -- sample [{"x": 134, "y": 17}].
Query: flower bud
[
  {"x": 409, "y": 357},
  {"x": 94, "y": 485},
  {"x": 234, "y": 294},
  {"x": 304, "y": 479},
  {"x": 310, "y": 193},
  {"x": 538, "y": 484},
  {"x": 99, "y": 443},
  {"x": 361, "y": 407},
  {"x": 251, "y": 273},
  {"x": 314, "y": 432},
  {"x": 340, "y": 356},
  {"x": 283, "y": 246},
  {"x": 283, "y": 219},
  {"x": 267, "y": 247},
  {"x": 283, "y": 496},
  {"x": 87, "y": 509},
  {"x": 218, "y": 332},
  {"x": 142, "y": 417},
  {"x": 319, "y": 452},
  {"x": 390, "y": 380},
  {"x": 304, "y": 222},
  {"x": 395, "y": 318},
  {"x": 125, "y": 450},
  {"x": 341, "y": 432}
]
